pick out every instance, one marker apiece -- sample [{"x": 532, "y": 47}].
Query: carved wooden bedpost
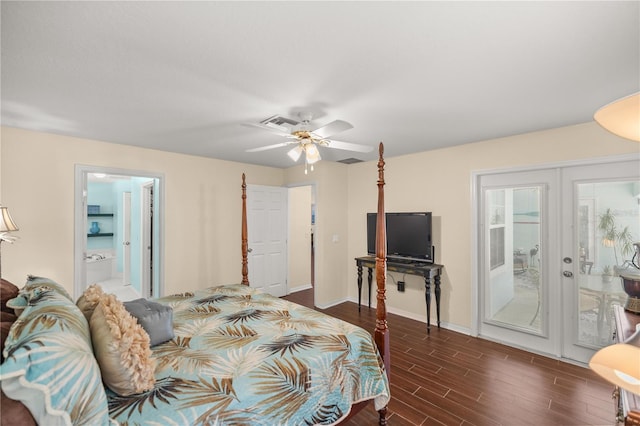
[
  {"x": 381, "y": 335},
  {"x": 245, "y": 244}
]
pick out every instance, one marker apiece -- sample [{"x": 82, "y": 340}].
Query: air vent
[
  {"x": 350, "y": 161},
  {"x": 279, "y": 122}
]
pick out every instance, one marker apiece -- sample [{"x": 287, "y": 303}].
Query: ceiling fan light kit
[
  {"x": 311, "y": 154},
  {"x": 306, "y": 140}
]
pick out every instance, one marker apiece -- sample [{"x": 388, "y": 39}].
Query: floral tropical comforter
[{"x": 243, "y": 357}]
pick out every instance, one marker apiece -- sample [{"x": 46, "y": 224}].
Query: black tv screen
[{"x": 408, "y": 235}]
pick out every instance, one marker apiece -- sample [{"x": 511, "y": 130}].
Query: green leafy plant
[{"x": 613, "y": 237}]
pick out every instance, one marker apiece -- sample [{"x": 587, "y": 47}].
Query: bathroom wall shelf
[{"x": 100, "y": 234}]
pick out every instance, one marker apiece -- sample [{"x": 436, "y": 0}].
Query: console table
[{"x": 429, "y": 271}]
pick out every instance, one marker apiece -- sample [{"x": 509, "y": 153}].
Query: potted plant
[{"x": 618, "y": 239}]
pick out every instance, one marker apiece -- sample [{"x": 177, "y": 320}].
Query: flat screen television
[{"x": 408, "y": 235}]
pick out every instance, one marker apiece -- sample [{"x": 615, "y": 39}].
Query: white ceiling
[{"x": 188, "y": 76}]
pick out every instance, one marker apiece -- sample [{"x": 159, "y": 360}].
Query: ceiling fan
[{"x": 306, "y": 140}]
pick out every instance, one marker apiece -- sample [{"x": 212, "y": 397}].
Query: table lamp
[
  {"x": 6, "y": 225},
  {"x": 620, "y": 363}
]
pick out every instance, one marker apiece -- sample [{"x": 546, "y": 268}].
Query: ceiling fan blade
[
  {"x": 347, "y": 146},
  {"x": 332, "y": 128},
  {"x": 264, "y": 148}
]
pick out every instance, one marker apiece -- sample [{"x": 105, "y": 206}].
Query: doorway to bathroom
[{"x": 118, "y": 235}]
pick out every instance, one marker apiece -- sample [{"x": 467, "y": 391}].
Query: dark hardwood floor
[{"x": 448, "y": 378}]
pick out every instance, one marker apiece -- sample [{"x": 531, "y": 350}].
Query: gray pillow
[{"x": 156, "y": 319}]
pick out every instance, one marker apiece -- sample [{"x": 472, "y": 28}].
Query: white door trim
[
  {"x": 146, "y": 285},
  {"x": 80, "y": 221},
  {"x": 126, "y": 238}
]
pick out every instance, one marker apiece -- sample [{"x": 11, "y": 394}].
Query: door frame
[
  {"x": 80, "y": 221},
  {"x": 475, "y": 225},
  {"x": 126, "y": 238},
  {"x": 313, "y": 189},
  {"x": 146, "y": 246}
]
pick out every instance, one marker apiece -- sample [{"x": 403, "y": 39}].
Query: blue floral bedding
[{"x": 243, "y": 357}]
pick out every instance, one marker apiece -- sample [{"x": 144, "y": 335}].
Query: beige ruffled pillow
[
  {"x": 121, "y": 347},
  {"x": 89, "y": 300}
]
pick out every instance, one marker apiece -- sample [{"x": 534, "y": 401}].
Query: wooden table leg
[
  {"x": 437, "y": 291},
  {"x": 369, "y": 279},
  {"x": 427, "y": 296},
  {"x": 360, "y": 285}
]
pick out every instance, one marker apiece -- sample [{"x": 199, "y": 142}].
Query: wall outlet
[{"x": 400, "y": 285}]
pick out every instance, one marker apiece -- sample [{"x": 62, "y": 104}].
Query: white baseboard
[
  {"x": 299, "y": 288},
  {"x": 334, "y": 303},
  {"x": 416, "y": 317}
]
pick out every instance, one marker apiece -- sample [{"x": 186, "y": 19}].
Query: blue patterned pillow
[
  {"x": 49, "y": 364},
  {"x": 35, "y": 282}
]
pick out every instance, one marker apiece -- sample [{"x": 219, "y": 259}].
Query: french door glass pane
[
  {"x": 514, "y": 296},
  {"x": 608, "y": 225}
]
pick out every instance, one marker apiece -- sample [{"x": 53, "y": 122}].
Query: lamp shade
[
  {"x": 620, "y": 363},
  {"x": 6, "y": 221},
  {"x": 313, "y": 155},
  {"x": 294, "y": 154},
  {"x": 621, "y": 117}
]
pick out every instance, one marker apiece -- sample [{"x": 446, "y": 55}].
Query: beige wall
[
  {"x": 202, "y": 207},
  {"x": 299, "y": 242},
  {"x": 203, "y": 201},
  {"x": 440, "y": 181}
]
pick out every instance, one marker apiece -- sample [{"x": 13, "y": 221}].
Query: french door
[
  {"x": 519, "y": 297},
  {"x": 542, "y": 257},
  {"x": 589, "y": 293}
]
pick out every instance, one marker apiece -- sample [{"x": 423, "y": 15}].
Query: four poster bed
[{"x": 226, "y": 355}]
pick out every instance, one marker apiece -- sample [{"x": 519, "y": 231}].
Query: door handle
[
  {"x": 249, "y": 250},
  {"x": 567, "y": 274}
]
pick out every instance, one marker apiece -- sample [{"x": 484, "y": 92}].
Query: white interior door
[
  {"x": 126, "y": 238},
  {"x": 588, "y": 293},
  {"x": 267, "y": 239}
]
